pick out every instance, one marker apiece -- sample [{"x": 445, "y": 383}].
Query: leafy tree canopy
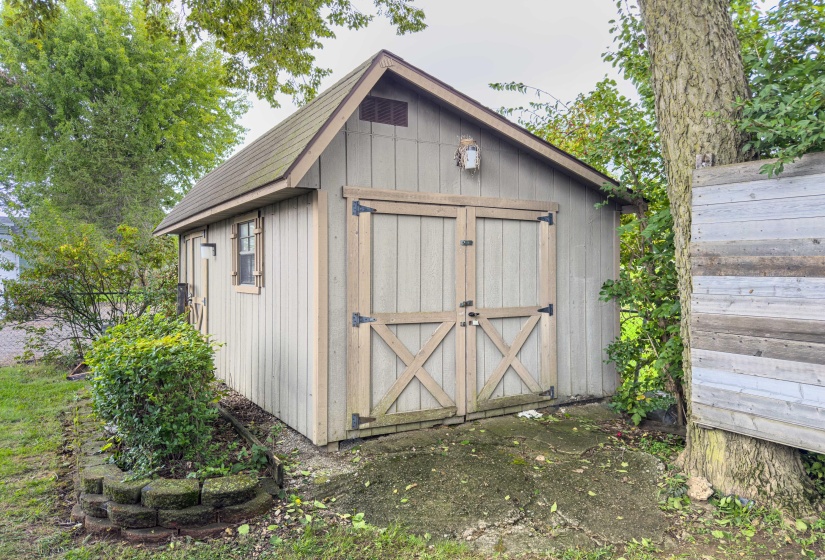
[
  {"x": 785, "y": 66},
  {"x": 267, "y": 45},
  {"x": 107, "y": 120}
]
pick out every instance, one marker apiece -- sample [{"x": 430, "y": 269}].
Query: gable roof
[{"x": 269, "y": 168}]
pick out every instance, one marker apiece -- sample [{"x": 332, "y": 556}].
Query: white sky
[{"x": 555, "y": 45}]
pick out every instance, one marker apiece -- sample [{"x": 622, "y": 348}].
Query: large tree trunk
[{"x": 697, "y": 74}]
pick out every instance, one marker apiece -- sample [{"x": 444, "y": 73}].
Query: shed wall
[
  {"x": 757, "y": 328},
  {"x": 420, "y": 158},
  {"x": 268, "y": 345}
]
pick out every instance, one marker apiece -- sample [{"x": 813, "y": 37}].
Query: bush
[
  {"x": 77, "y": 281},
  {"x": 153, "y": 380}
]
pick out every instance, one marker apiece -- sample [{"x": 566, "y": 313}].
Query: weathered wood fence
[{"x": 758, "y": 304}]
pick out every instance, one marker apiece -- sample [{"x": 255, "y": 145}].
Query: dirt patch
[{"x": 507, "y": 483}]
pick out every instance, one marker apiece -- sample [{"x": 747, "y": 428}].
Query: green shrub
[{"x": 153, "y": 381}]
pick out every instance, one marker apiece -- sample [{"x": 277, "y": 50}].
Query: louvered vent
[{"x": 384, "y": 111}]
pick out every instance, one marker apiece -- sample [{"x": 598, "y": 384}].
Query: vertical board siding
[
  {"x": 420, "y": 157},
  {"x": 758, "y": 339},
  {"x": 268, "y": 346},
  {"x": 266, "y": 351}
]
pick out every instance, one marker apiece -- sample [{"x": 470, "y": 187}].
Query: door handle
[{"x": 473, "y": 314}]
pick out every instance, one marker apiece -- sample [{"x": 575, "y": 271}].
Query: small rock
[
  {"x": 540, "y": 458},
  {"x": 699, "y": 489}
]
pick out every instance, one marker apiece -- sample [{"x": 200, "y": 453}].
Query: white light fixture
[
  {"x": 468, "y": 154},
  {"x": 208, "y": 250}
]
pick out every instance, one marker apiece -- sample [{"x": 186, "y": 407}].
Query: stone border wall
[{"x": 111, "y": 502}]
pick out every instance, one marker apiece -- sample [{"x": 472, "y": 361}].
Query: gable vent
[{"x": 384, "y": 111}]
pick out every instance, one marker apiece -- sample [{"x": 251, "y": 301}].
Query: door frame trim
[{"x": 448, "y": 199}]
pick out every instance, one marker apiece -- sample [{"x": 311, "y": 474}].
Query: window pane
[
  {"x": 250, "y": 242},
  {"x": 247, "y": 267}
]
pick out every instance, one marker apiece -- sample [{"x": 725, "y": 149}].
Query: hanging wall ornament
[{"x": 468, "y": 154}]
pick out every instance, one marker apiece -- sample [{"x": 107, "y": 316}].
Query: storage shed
[{"x": 361, "y": 282}]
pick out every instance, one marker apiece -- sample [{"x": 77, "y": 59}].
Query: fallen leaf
[
  {"x": 591, "y": 493},
  {"x": 404, "y": 500},
  {"x": 319, "y": 505},
  {"x": 580, "y": 471},
  {"x": 507, "y": 497},
  {"x": 243, "y": 529},
  {"x": 625, "y": 464},
  {"x": 515, "y": 442},
  {"x": 553, "y": 507},
  {"x": 411, "y": 486},
  {"x": 367, "y": 484}
]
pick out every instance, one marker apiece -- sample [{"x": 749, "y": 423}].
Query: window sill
[{"x": 246, "y": 289}]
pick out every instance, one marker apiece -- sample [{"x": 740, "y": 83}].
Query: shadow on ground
[{"x": 507, "y": 484}]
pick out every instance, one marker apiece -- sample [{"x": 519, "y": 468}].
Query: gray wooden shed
[{"x": 363, "y": 283}]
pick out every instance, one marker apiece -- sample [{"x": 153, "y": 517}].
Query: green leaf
[
  {"x": 718, "y": 534},
  {"x": 801, "y": 525},
  {"x": 243, "y": 529},
  {"x": 319, "y": 505},
  {"x": 553, "y": 508}
]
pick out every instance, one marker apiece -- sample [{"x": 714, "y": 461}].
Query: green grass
[
  {"x": 34, "y": 475},
  {"x": 32, "y": 400}
]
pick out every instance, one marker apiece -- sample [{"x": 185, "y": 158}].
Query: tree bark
[{"x": 697, "y": 75}]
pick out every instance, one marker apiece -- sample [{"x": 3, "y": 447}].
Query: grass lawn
[
  {"x": 32, "y": 469},
  {"x": 34, "y": 477}
]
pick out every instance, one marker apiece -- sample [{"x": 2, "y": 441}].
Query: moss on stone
[
  {"x": 228, "y": 490},
  {"x": 124, "y": 491},
  {"x": 195, "y": 516},
  {"x": 171, "y": 494},
  {"x": 91, "y": 478},
  {"x": 95, "y": 505},
  {"x": 258, "y": 505},
  {"x": 132, "y": 516}
]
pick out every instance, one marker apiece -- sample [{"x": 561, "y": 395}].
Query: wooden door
[
  {"x": 451, "y": 310},
  {"x": 197, "y": 280},
  {"x": 404, "y": 318},
  {"x": 511, "y": 327}
]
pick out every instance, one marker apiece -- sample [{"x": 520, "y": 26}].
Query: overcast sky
[{"x": 555, "y": 45}]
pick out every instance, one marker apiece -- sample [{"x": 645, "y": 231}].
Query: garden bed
[{"x": 112, "y": 502}]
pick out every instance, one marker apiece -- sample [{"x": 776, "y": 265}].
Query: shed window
[{"x": 247, "y": 253}]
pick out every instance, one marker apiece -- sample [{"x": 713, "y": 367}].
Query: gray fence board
[{"x": 758, "y": 302}]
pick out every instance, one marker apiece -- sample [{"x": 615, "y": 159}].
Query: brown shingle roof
[{"x": 267, "y": 158}]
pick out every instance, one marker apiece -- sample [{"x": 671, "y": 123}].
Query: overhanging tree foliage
[
  {"x": 108, "y": 121},
  {"x": 268, "y": 46},
  {"x": 618, "y": 137}
]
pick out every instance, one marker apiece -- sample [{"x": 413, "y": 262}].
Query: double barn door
[{"x": 452, "y": 309}]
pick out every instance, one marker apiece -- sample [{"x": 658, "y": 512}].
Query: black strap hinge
[
  {"x": 548, "y": 218},
  {"x": 551, "y": 392},
  {"x": 358, "y": 319},
  {"x": 468, "y": 303},
  {"x": 357, "y": 208},
  {"x": 548, "y": 309},
  {"x": 357, "y": 420},
  {"x": 466, "y": 242}
]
